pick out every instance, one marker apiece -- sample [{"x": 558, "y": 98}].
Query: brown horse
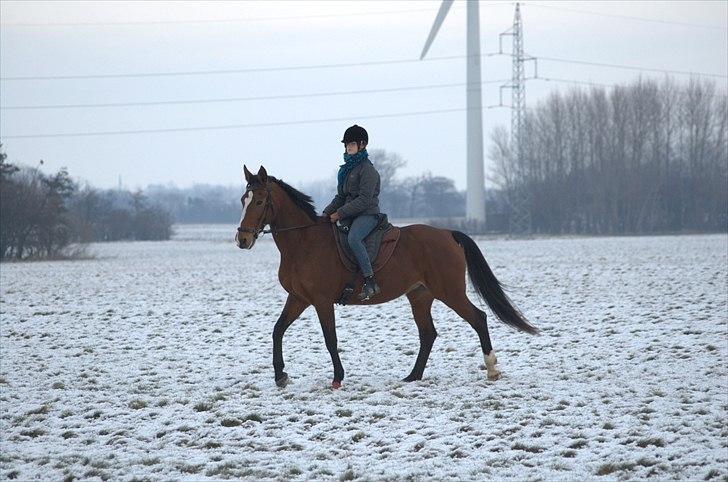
[{"x": 428, "y": 263}]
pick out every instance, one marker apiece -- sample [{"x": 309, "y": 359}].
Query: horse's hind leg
[
  {"x": 421, "y": 300},
  {"x": 479, "y": 321},
  {"x": 293, "y": 309}
]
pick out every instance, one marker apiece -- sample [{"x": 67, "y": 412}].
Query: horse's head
[{"x": 257, "y": 208}]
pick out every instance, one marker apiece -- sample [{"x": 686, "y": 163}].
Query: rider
[{"x": 358, "y": 198}]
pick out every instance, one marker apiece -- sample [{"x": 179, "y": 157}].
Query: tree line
[
  {"x": 51, "y": 215},
  {"x": 650, "y": 156}
]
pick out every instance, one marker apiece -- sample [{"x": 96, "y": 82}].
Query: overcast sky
[{"x": 54, "y": 38}]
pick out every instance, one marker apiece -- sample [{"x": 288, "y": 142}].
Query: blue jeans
[{"x": 362, "y": 225}]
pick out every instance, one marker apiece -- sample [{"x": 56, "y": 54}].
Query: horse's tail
[{"x": 488, "y": 286}]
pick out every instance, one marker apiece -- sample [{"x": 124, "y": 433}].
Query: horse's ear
[
  {"x": 262, "y": 175},
  {"x": 248, "y": 174}
]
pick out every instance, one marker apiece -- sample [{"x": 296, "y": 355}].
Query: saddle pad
[{"x": 380, "y": 244}]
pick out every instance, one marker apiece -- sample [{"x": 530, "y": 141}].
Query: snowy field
[{"x": 153, "y": 362}]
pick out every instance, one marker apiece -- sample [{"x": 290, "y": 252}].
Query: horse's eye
[{"x": 259, "y": 203}]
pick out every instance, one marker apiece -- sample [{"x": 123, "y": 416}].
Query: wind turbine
[{"x": 475, "y": 197}]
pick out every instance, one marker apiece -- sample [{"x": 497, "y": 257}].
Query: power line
[
  {"x": 627, "y": 17},
  {"x": 237, "y": 126},
  {"x": 570, "y": 81},
  {"x": 343, "y": 65},
  {"x": 242, "y": 99},
  {"x": 238, "y": 71},
  {"x": 292, "y": 96},
  {"x": 223, "y": 20},
  {"x": 201, "y": 21},
  {"x": 631, "y": 67}
]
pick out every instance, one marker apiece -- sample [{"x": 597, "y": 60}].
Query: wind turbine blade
[{"x": 444, "y": 8}]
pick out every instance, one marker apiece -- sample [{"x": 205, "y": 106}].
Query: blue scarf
[{"x": 350, "y": 162}]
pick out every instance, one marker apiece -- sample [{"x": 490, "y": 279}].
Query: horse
[{"x": 428, "y": 263}]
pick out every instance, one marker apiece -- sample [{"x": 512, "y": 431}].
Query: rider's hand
[{"x": 334, "y": 217}]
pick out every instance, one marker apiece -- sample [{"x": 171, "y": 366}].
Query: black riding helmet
[{"x": 355, "y": 133}]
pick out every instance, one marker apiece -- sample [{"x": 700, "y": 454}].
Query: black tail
[{"x": 488, "y": 286}]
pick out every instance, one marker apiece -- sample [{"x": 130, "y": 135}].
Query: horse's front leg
[
  {"x": 328, "y": 325},
  {"x": 291, "y": 311}
]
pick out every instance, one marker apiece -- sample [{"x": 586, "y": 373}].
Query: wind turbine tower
[{"x": 475, "y": 197}]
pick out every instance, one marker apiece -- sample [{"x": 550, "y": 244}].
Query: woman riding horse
[
  {"x": 357, "y": 201},
  {"x": 427, "y": 264}
]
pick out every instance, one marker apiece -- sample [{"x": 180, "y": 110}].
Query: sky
[{"x": 258, "y": 39}]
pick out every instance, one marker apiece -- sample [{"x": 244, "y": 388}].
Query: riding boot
[{"x": 370, "y": 288}]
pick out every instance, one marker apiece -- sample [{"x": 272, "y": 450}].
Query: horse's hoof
[
  {"x": 490, "y": 362},
  {"x": 283, "y": 380},
  {"x": 336, "y": 384},
  {"x": 411, "y": 378}
]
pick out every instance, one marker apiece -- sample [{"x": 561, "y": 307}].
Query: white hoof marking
[{"x": 490, "y": 361}]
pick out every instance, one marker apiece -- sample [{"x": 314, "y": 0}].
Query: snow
[{"x": 153, "y": 362}]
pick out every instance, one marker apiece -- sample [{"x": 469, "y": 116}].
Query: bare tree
[{"x": 644, "y": 157}]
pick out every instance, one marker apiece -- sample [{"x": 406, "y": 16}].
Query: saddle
[{"x": 380, "y": 244}]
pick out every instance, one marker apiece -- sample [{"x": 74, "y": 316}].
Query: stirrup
[{"x": 373, "y": 290}]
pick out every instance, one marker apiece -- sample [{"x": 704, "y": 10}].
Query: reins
[{"x": 259, "y": 229}]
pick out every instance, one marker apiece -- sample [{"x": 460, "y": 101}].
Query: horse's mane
[{"x": 303, "y": 201}]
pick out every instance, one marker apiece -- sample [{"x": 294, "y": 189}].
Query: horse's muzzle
[{"x": 242, "y": 241}]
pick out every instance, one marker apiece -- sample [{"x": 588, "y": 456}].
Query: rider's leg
[{"x": 359, "y": 229}]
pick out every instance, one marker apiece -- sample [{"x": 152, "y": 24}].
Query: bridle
[{"x": 259, "y": 227}]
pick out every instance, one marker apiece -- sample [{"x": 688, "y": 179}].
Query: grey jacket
[{"x": 359, "y": 194}]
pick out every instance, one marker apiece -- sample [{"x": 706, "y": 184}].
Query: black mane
[{"x": 300, "y": 199}]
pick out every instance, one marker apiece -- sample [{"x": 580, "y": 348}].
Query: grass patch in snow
[
  {"x": 712, "y": 474},
  {"x": 656, "y": 441},
  {"x": 606, "y": 469},
  {"x": 202, "y": 407},
  {"x": 137, "y": 404},
  {"x": 348, "y": 475},
  {"x": 190, "y": 468},
  {"x": 42, "y": 410},
  {"x": 579, "y": 444},
  {"x": 230, "y": 422},
  {"x": 526, "y": 448}
]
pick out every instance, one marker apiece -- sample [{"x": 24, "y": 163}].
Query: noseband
[{"x": 259, "y": 228}]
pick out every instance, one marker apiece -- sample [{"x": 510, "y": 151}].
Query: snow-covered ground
[{"x": 153, "y": 362}]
